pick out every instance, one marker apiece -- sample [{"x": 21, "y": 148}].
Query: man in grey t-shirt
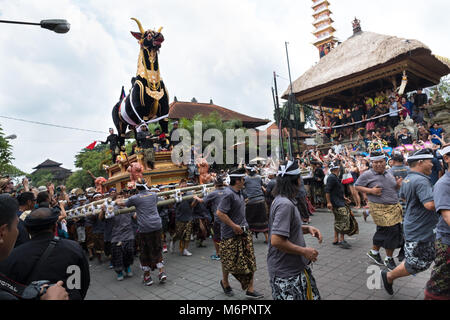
[
  {"x": 149, "y": 230},
  {"x": 288, "y": 257},
  {"x": 236, "y": 246},
  {"x": 438, "y": 287},
  {"x": 420, "y": 220},
  {"x": 382, "y": 191}
]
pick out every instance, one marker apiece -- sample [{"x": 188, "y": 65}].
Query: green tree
[
  {"x": 284, "y": 114},
  {"x": 5, "y": 153},
  {"x": 12, "y": 171},
  {"x": 41, "y": 178},
  {"x": 212, "y": 121},
  {"x": 79, "y": 179}
]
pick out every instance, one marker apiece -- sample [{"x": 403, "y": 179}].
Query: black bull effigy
[{"x": 148, "y": 100}]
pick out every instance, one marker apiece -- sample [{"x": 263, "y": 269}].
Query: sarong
[
  {"x": 99, "y": 244},
  {"x": 89, "y": 237},
  {"x": 238, "y": 258},
  {"x": 419, "y": 256},
  {"x": 81, "y": 234},
  {"x": 150, "y": 246},
  {"x": 256, "y": 216},
  {"x": 386, "y": 215},
  {"x": 201, "y": 228},
  {"x": 344, "y": 221},
  {"x": 300, "y": 287},
  {"x": 438, "y": 287},
  {"x": 122, "y": 255},
  {"x": 183, "y": 230}
]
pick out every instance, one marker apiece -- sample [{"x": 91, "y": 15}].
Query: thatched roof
[{"x": 363, "y": 53}]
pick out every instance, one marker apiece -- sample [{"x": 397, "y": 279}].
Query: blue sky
[{"x": 220, "y": 50}]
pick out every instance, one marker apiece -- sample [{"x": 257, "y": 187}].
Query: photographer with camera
[
  {"x": 236, "y": 247},
  {"x": 48, "y": 257},
  {"x": 9, "y": 289}
]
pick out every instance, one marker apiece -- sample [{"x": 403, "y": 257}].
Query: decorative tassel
[
  {"x": 402, "y": 88},
  {"x": 302, "y": 114}
]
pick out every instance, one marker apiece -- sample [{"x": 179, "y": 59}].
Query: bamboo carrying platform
[{"x": 165, "y": 171}]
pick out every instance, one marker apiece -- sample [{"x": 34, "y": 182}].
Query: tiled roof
[
  {"x": 188, "y": 110},
  {"x": 48, "y": 164}
]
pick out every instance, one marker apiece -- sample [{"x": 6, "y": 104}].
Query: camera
[
  {"x": 244, "y": 228},
  {"x": 33, "y": 291}
]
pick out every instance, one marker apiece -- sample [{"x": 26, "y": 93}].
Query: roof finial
[{"x": 356, "y": 26}]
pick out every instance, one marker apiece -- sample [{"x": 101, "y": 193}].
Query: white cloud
[{"x": 220, "y": 50}]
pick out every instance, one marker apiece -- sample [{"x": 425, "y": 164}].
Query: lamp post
[
  {"x": 11, "y": 137},
  {"x": 56, "y": 25}
]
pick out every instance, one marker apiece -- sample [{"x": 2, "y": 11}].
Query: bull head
[{"x": 149, "y": 39}]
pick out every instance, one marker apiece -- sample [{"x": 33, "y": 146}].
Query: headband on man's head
[
  {"x": 239, "y": 173},
  {"x": 421, "y": 155},
  {"x": 142, "y": 185},
  {"x": 333, "y": 165},
  {"x": 445, "y": 151},
  {"x": 290, "y": 169},
  {"x": 376, "y": 158}
]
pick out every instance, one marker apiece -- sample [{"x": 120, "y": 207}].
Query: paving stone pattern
[{"x": 340, "y": 274}]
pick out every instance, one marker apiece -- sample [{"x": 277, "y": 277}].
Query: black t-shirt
[
  {"x": 113, "y": 140},
  {"x": 405, "y": 139},
  {"x": 318, "y": 176},
  {"x": 336, "y": 190},
  {"x": 420, "y": 99},
  {"x": 370, "y": 113},
  {"x": 357, "y": 115}
]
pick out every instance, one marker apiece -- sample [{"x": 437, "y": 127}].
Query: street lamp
[
  {"x": 57, "y": 25},
  {"x": 11, "y": 137}
]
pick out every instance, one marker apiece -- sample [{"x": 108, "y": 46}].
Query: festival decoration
[{"x": 148, "y": 100}]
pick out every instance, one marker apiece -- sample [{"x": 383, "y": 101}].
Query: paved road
[{"x": 340, "y": 274}]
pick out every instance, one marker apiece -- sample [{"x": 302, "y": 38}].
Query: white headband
[
  {"x": 236, "y": 175},
  {"x": 421, "y": 157},
  {"x": 142, "y": 185},
  {"x": 382, "y": 157},
  {"x": 445, "y": 151},
  {"x": 284, "y": 169}
]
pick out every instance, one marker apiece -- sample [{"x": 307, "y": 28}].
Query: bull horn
[
  {"x": 159, "y": 31},
  {"x": 139, "y": 25}
]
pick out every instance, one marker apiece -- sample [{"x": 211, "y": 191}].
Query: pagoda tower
[{"x": 324, "y": 27}]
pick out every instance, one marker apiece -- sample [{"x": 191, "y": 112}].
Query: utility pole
[{"x": 292, "y": 114}]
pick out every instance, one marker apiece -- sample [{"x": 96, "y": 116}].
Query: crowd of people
[
  {"x": 381, "y": 113},
  {"x": 44, "y": 230}
]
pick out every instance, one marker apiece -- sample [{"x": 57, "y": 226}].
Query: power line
[{"x": 53, "y": 125}]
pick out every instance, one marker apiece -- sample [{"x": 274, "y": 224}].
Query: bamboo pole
[
  {"x": 132, "y": 209},
  {"x": 160, "y": 194}
]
